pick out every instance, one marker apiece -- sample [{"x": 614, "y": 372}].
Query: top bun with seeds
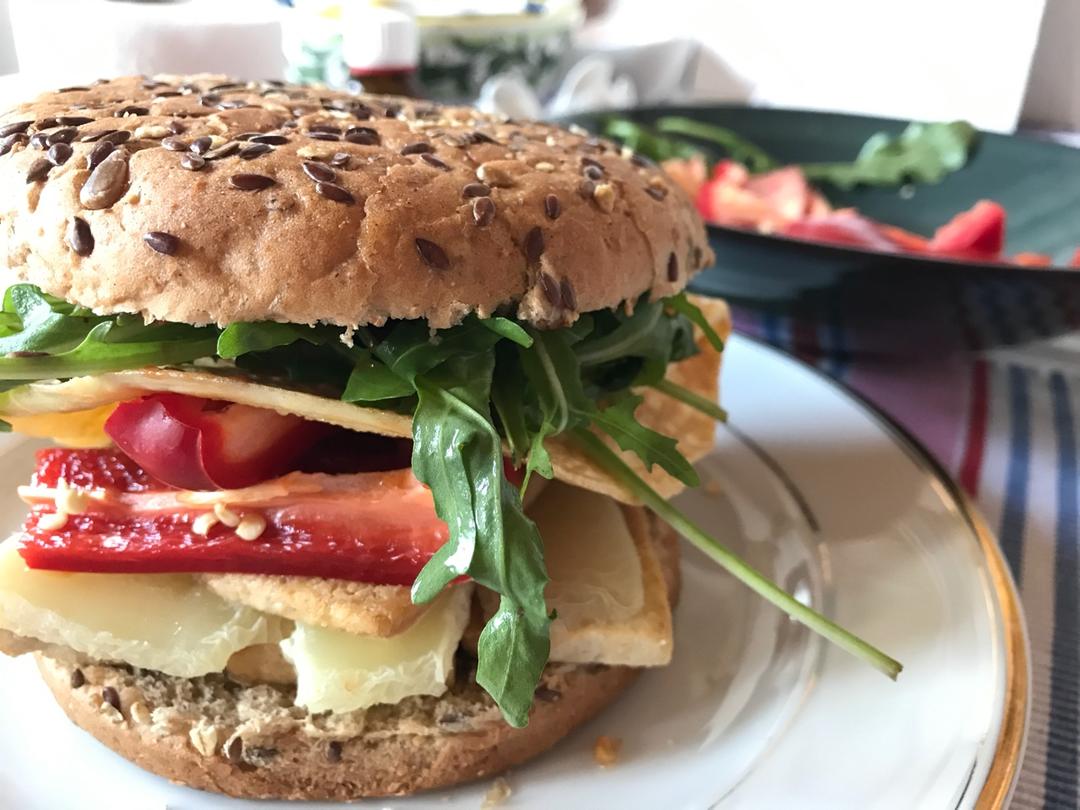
[{"x": 204, "y": 200}]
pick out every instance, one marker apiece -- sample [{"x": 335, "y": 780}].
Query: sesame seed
[
  {"x": 151, "y": 132},
  {"x": 544, "y": 166},
  {"x": 78, "y": 680},
  {"x": 203, "y": 523},
  {"x": 201, "y": 145},
  {"x": 70, "y": 501},
  {"x": 672, "y": 268},
  {"x": 251, "y": 526},
  {"x": 604, "y": 195},
  {"x": 226, "y": 515}
]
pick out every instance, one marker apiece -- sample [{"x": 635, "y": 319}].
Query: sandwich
[{"x": 356, "y": 421}]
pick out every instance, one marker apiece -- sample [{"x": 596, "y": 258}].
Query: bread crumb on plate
[{"x": 606, "y": 750}]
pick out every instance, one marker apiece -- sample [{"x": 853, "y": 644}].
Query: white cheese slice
[
  {"x": 165, "y": 622},
  {"x": 341, "y": 672},
  {"x": 592, "y": 563}
]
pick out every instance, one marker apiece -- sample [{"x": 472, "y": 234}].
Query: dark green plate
[{"x": 1037, "y": 182}]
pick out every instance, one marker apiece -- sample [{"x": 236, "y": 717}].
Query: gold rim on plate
[{"x": 1005, "y": 765}]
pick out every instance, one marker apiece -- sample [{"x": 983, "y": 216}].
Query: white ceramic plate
[{"x": 834, "y": 503}]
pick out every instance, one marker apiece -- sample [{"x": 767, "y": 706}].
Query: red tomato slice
[
  {"x": 195, "y": 443},
  {"x": 978, "y": 233},
  {"x": 784, "y": 190}
]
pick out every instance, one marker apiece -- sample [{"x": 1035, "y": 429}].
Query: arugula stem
[
  {"x": 740, "y": 149},
  {"x": 688, "y": 397},
  {"x": 599, "y": 452}
]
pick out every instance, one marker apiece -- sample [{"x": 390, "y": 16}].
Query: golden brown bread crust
[
  {"x": 558, "y": 242},
  {"x": 187, "y": 729}
]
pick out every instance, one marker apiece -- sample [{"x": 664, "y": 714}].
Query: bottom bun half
[{"x": 253, "y": 742}]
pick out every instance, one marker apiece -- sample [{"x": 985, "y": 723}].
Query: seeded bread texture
[
  {"x": 250, "y": 741},
  {"x": 213, "y": 201}
]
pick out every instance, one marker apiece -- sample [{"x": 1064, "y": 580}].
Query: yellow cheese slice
[
  {"x": 165, "y": 622},
  {"x": 341, "y": 672}
]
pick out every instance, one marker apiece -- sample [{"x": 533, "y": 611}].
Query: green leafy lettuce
[{"x": 472, "y": 390}]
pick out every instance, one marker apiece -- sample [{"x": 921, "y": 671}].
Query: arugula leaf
[
  {"x": 504, "y": 327},
  {"x": 742, "y": 571},
  {"x": 371, "y": 381},
  {"x": 734, "y": 145},
  {"x": 922, "y": 153},
  {"x": 652, "y": 448},
  {"x": 241, "y": 338},
  {"x": 98, "y": 353},
  {"x": 41, "y": 323},
  {"x": 685, "y": 307},
  {"x": 458, "y": 453}
]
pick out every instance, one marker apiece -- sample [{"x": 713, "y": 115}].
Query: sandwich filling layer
[{"x": 341, "y": 510}]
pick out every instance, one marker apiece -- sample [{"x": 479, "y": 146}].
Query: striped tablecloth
[{"x": 1006, "y": 423}]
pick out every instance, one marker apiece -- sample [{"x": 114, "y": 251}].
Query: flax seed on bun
[{"x": 202, "y": 200}]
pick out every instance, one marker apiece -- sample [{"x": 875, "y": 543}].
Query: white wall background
[{"x": 988, "y": 61}]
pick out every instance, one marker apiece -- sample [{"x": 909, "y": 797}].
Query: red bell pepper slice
[
  {"x": 370, "y": 527},
  {"x": 195, "y": 443},
  {"x": 978, "y": 233}
]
